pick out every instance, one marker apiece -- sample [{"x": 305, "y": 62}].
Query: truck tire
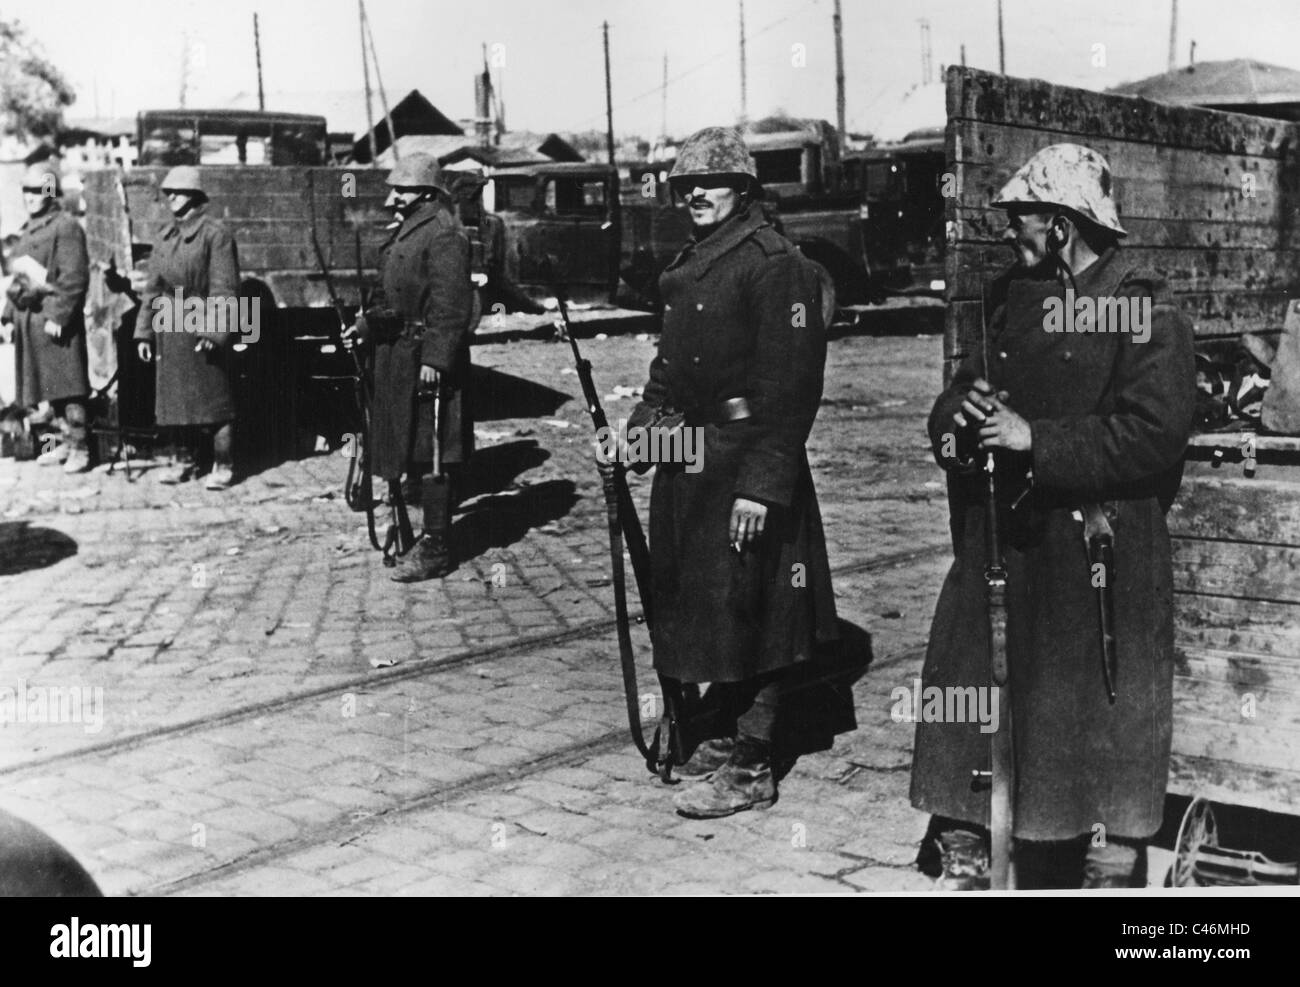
[{"x": 827, "y": 291}]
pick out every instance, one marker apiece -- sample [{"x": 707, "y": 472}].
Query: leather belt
[{"x": 730, "y": 410}]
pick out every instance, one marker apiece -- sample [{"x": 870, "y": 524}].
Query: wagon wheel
[{"x": 1197, "y": 829}]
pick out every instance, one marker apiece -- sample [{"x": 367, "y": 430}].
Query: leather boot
[
  {"x": 429, "y": 558},
  {"x": 965, "y": 858},
  {"x": 1115, "y": 865},
  {"x": 745, "y": 782},
  {"x": 706, "y": 759}
]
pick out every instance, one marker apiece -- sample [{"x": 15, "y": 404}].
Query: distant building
[{"x": 1240, "y": 85}]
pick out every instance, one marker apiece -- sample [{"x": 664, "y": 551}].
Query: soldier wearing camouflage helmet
[
  {"x": 740, "y": 365},
  {"x": 419, "y": 325},
  {"x": 194, "y": 259},
  {"x": 44, "y": 303},
  {"x": 1085, "y": 418}
]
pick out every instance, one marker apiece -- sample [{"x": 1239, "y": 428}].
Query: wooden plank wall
[
  {"x": 268, "y": 210},
  {"x": 1180, "y": 182},
  {"x": 1233, "y": 260}
]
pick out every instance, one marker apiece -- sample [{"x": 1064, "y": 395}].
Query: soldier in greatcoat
[
  {"x": 741, "y": 578},
  {"x": 1093, "y": 421},
  {"x": 195, "y": 257},
  {"x": 420, "y": 327},
  {"x": 45, "y": 303}
]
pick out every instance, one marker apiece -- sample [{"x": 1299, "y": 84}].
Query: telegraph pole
[
  {"x": 257, "y": 49},
  {"x": 927, "y": 63},
  {"x": 365, "y": 71},
  {"x": 1001, "y": 46},
  {"x": 1173, "y": 33},
  {"x": 744, "y": 89},
  {"x": 609, "y": 99},
  {"x": 839, "y": 72},
  {"x": 185, "y": 67},
  {"x": 663, "y": 118}
]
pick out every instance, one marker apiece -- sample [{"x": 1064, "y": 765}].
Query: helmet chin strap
[{"x": 1055, "y": 244}]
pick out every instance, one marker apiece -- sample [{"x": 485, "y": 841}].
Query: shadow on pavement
[
  {"x": 494, "y": 396},
  {"x": 23, "y": 548},
  {"x": 493, "y": 468},
  {"x": 504, "y": 518}
]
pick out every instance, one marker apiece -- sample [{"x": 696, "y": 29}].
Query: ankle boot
[
  {"x": 745, "y": 782},
  {"x": 429, "y": 558}
]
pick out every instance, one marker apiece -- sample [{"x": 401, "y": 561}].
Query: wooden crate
[{"x": 1236, "y": 542}]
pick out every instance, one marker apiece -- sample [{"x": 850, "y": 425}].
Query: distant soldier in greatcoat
[
  {"x": 742, "y": 587},
  {"x": 420, "y": 326},
  {"x": 1090, "y": 424},
  {"x": 196, "y": 257},
  {"x": 45, "y": 303}
]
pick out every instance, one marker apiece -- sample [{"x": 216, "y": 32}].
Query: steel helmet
[
  {"x": 715, "y": 151},
  {"x": 1069, "y": 176},
  {"x": 418, "y": 171},
  {"x": 183, "y": 178},
  {"x": 43, "y": 175}
]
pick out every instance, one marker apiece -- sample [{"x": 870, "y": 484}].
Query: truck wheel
[{"x": 828, "y": 292}]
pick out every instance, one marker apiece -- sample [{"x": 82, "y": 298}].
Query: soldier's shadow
[
  {"x": 503, "y": 518},
  {"x": 495, "y": 396},
  {"x": 24, "y": 548},
  {"x": 493, "y": 468}
]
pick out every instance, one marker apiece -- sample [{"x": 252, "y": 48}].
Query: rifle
[
  {"x": 358, "y": 486},
  {"x": 669, "y": 745},
  {"x": 1002, "y": 764}
]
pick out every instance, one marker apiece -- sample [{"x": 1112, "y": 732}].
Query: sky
[{"x": 127, "y": 56}]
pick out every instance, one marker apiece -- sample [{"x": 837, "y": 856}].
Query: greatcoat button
[
  {"x": 695, "y": 359},
  {"x": 1066, "y": 355},
  {"x": 1002, "y": 355},
  {"x": 699, "y": 306}
]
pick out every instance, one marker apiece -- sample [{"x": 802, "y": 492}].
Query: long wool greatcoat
[
  {"x": 198, "y": 256},
  {"x": 48, "y": 370},
  {"x": 741, "y": 318},
  {"x": 1110, "y": 417},
  {"x": 425, "y": 276}
]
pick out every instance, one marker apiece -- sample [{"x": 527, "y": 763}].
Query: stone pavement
[{"x": 236, "y": 736}]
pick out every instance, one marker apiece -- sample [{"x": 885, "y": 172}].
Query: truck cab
[
  {"x": 564, "y": 213},
  {"x": 202, "y": 137}
]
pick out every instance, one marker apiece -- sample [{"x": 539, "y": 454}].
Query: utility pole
[
  {"x": 744, "y": 89},
  {"x": 839, "y": 73},
  {"x": 185, "y": 67},
  {"x": 1173, "y": 32},
  {"x": 365, "y": 71},
  {"x": 1002, "y": 49},
  {"x": 663, "y": 112},
  {"x": 609, "y": 99},
  {"x": 963, "y": 56},
  {"x": 927, "y": 64},
  {"x": 257, "y": 49}
]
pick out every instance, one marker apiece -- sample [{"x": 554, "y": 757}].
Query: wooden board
[{"x": 1231, "y": 258}]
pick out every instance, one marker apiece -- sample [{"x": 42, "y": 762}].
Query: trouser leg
[
  {"x": 1117, "y": 863},
  {"x": 223, "y": 445},
  {"x": 762, "y": 701},
  {"x": 437, "y": 500},
  {"x": 73, "y": 413}
]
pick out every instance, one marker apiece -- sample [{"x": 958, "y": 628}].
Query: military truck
[{"x": 902, "y": 211}]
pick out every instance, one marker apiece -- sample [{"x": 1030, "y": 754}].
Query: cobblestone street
[{"x": 278, "y": 717}]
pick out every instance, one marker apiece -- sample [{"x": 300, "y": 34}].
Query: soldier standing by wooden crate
[
  {"x": 45, "y": 301},
  {"x": 1076, "y": 421},
  {"x": 195, "y": 261}
]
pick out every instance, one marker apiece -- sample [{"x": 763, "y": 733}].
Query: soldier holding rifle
[
  {"x": 420, "y": 328},
  {"x": 742, "y": 588},
  {"x": 1087, "y": 425}
]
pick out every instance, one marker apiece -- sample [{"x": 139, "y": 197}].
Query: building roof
[{"x": 1237, "y": 82}]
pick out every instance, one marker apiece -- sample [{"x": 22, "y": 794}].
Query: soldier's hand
[
  {"x": 139, "y": 280},
  {"x": 53, "y": 330},
  {"x": 428, "y": 378},
  {"x": 976, "y": 405},
  {"x": 144, "y": 351},
  {"x": 747, "y": 520},
  {"x": 1004, "y": 429},
  {"x": 350, "y": 336}
]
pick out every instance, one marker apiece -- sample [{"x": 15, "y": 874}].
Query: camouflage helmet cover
[
  {"x": 418, "y": 171},
  {"x": 43, "y": 175},
  {"x": 714, "y": 151},
  {"x": 1068, "y": 176},
  {"x": 183, "y": 178}
]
